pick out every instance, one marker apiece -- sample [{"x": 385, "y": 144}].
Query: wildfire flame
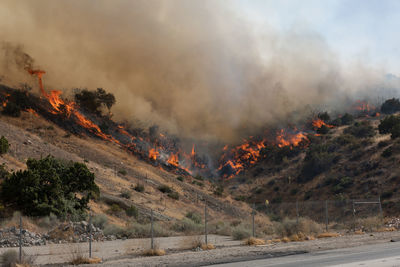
[{"x": 318, "y": 123}]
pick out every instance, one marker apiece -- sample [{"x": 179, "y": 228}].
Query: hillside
[
  {"x": 116, "y": 171},
  {"x": 349, "y": 162}
]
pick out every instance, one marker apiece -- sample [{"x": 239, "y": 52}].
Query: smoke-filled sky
[{"x": 202, "y": 69}]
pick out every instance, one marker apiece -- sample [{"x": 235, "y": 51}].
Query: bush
[
  {"x": 115, "y": 209},
  {"x": 241, "y": 232},
  {"x": 4, "y": 145},
  {"x": 347, "y": 119},
  {"x": 165, "y": 189},
  {"x": 113, "y": 229},
  {"x": 323, "y": 129},
  {"x": 9, "y": 258},
  {"x": 194, "y": 216},
  {"x": 324, "y": 116},
  {"x": 139, "y": 188},
  {"x": 290, "y": 227},
  {"x": 173, "y": 195},
  {"x": 387, "y": 194},
  {"x": 390, "y": 124},
  {"x": 219, "y": 190},
  {"x": 100, "y": 221},
  {"x": 123, "y": 172},
  {"x": 360, "y": 130},
  {"x": 187, "y": 226},
  {"x": 341, "y": 184},
  {"x": 126, "y": 194},
  {"x": 390, "y": 106},
  {"x": 93, "y": 101},
  {"x": 49, "y": 186},
  {"x": 132, "y": 211},
  {"x": 318, "y": 160},
  {"x": 12, "y": 109}
]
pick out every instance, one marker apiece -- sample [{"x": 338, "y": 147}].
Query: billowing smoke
[{"x": 195, "y": 68}]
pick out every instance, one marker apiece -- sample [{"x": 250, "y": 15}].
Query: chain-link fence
[{"x": 48, "y": 239}]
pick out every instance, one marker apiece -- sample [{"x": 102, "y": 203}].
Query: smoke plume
[{"x": 196, "y": 68}]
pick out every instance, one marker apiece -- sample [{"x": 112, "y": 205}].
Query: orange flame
[
  {"x": 153, "y": 154},
  {"x": 318, "y": 123}
]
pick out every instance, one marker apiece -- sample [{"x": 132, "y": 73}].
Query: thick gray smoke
[{"x": 195, "y": 68}]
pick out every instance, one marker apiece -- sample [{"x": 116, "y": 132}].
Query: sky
[{"x": 365, "y": 30}]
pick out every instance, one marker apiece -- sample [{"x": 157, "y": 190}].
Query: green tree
[
  {"x": 391, "y": 106},
  {"x": 50, "y": 186}
]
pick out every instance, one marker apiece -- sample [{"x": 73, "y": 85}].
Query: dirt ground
[
  {"x": 128, "y": 252},
  {"x": 232, "y": 253}
]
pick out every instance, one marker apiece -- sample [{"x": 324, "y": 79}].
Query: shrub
[
  {"x": 4, "y": 145},
  {"x": 290, "y": 227},
  {"x": 318, "y": 159},
  {"x": 100, "y": 221},
  {"x": 126, "y": 194},
  {"x": 123, "y": 172},
  {"x": 92, "y": 101},
  {"x": 12, "y": 109},
  {"x": 391, "y": 106},
  {"x": 115, "y": 209},
  {"x": 388, "y": 152},
  {"x": 323, "y": 129},
  {"x": 324, "y": 116},
  {"x": 219, "y": 190},
  {"x": 347, "y": 119},
  {"x": 194, "y": 216},
  {"x": 187, "y": 226},
  {"x": 387, "y": 194},
  {"x": 382, "y": 144},
  {"x": 49, "y": 186},
  {"x": 165, "y": 189},
  {"x": 9, "y": 258},
  {"x": 360, "y": 130},
  {"x": 173, "y": 195},
  {"x": 139, "y": 188},
  {"x": 132, "y": 211},
  {"x": 180, "y": 178},
  {"x": 113, "y": 229},
  {"x": 341, "y": 184},
  {"x": 241, "y": 232},
  {"x": 390, "y": 124}
]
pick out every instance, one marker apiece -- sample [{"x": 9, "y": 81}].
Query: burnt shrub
[
  {"x": 390, "y": 106},
  {"x": 93, "y": 101},
  {"x": 4, "y": 145},
  {"x": 12, "y": 110},
  {"x": 360, "y": 129},
  {"x": 323, "y": 129},
  {"x": 318, "y": 160},
  {"x": 324, "y": 116}
]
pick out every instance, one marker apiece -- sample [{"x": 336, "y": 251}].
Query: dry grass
[
  {"x": 207, "y": 246},
  {"x": 153, "y": 252},
  {"x": 327, "y": 235},
  {"x": 285, "y": 239},
  {"x": 359, "y": 232},
  {"x": 252, "y": 241},
  {"x": 386, "y": 229},
  {"x": 82, "y": 260}
]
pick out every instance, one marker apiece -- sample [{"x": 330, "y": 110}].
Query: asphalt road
[{"x": 386, "y": 254}]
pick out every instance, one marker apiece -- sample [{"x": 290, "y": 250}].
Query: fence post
[
  {"x": 297, "y": 212},
  {"x": 326, "y": 215},
  {"x": 205, "y": 221},
  {"x": 90, "y": 234},
  {"x": 152, "y": 230},
  {"x": 252, "y": 215},
  {"x": 354, "y": 216},
  {"x": 20, "y": 239},
  {"x": 380, "y": 207}
]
